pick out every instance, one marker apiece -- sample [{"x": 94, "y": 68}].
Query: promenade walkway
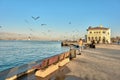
[{"x": 94, "y": 64}]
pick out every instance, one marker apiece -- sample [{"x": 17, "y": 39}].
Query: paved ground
[{"x": 94, "y": 64}]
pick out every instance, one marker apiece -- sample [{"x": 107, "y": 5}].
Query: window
[
  {"x": 104, "y": 32},
  {"x": 99, "y": 38},
  {"x": 95, "y": 38},
  {"x": 103, "y": 39},
  {"x": 92, "y": 38},
  {"x": 90, "y": 32},
  {"x": 89, "y": 38}
]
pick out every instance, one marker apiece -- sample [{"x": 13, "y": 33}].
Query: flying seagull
[
  {"x": 69, "y": 22},
  {"x": 0, "y": 26},
  {"x": 26, "y": 21},
  {"x": 43, "y": 24},
  {"x": 35, "y": 18},
  {"x": 49, "y": 30}
]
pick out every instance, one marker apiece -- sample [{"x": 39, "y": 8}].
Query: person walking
[{"x": 80, "y": 43}]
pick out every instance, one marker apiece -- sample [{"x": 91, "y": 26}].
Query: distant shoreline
[
  {"x": 18, "y": 36},
  {"x": 32, "y": 40}
]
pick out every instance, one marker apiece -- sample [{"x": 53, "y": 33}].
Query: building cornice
[{"x": 97, "y": 28}]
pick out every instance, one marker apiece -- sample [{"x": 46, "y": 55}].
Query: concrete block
[
  {"x": 44, "y": 73},
  {"x": 63, "y": 62},
  {"x": 12, "y": 78}
]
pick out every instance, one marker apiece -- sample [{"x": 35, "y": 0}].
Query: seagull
[
  {"x": 26, "y": 21},
  {"x": 0, "y": 26},
  {"x": 69, "y": 22},
  {"x": 30, "y": 29},
  {"x": 43, "y": 24},
  {"x": 35, "y": 18},
  {"x": 49, "y": 30}
]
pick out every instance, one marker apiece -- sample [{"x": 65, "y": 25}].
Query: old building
[{"x": 98, "y": 34}]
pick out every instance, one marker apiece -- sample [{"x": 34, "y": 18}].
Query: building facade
[{"x": 98, "y": 34}]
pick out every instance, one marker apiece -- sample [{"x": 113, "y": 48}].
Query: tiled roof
[{"x": 97, "y": 28}]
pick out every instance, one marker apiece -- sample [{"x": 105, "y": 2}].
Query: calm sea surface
[{"x": 16, "y": 53}]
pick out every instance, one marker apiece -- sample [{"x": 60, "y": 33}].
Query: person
[
  {"x": 119, "y": 41},
  {"x": 92, "y": 45},
  {"x": 93, "y": 42},
  {"x": 80, "y": 43}
]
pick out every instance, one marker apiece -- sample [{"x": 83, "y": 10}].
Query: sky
[{"x": 62, "y": 18}]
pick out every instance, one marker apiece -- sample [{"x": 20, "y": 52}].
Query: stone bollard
[{"x": 72, "y": 54}]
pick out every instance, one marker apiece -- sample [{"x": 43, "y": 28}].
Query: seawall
[
  {"x": 68, "y": 43},
  {"x": 41, "y": 68}
]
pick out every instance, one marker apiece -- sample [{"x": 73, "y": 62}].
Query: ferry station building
[{"x": 98, "y": 34}]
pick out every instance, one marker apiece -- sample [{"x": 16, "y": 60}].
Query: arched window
[
  {"x": 104, "y": 32},
  {"x": 90, "y": 32},
  {"x": 99, "y": 38},
  {"x": 96, "y": 38},
  {"x": 89, "y": 38},
  {"x": 92, "y": 38},
  {"x": 103, "y": 39}
]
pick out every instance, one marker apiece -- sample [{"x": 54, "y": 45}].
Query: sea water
[{"x": 16, "y": 53}]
